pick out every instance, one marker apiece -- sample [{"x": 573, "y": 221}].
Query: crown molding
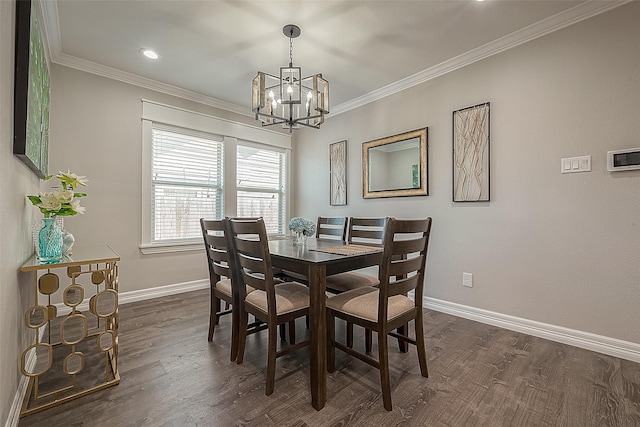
[
  {"x": 553, "y": 23},
  {"x": 556, "y": 22},
  {"x": 134, "y": 79}
]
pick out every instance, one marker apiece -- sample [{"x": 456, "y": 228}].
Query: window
[
  {"x": 261, "y": 175},
  {"x": 198, "y": 166},
  {"x": 186, "y": 183}
]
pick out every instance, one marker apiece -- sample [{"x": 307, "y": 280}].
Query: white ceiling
[{"x": 211, "y": 50}]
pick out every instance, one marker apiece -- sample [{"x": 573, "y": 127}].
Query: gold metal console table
[{"x": 76, "y": 344}]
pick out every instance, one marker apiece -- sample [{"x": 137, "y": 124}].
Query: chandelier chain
[{"x": 291, "y": 50}]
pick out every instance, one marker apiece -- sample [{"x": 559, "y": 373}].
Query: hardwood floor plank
[{"x": 479, "y": 375}]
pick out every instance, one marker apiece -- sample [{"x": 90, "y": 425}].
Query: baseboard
[
  {"x": 144, "y": 294},
  {"x": 598, "y": 343},
  {"x": 162, "y": 291},
  {"x": 14, "y": 412}
]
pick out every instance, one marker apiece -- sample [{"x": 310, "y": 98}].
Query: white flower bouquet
[
  {"x": 302, "y": 226},
  {"x": 61, "y": 201}
]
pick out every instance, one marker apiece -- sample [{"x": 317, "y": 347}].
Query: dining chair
[
  {"x": 332, "y": 228},
  {"x": 271, "y": 302},
  {"x": 367, "y": 232},
  {"x": 362, "y": 231},
  {"x": 222, "y": 282},
  {"x": 219, "y": 272},
  {"x": 386, "y": 307}
]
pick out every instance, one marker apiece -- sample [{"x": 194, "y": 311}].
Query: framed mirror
[{"x": 396, "y": 166}]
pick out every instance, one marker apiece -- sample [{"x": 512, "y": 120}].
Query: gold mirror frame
[{"x": 422, "y": 190}]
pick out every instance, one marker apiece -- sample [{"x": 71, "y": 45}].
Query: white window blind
[
  {"x": 261, "y": 185},
  {"x": 186, "y": 182}
]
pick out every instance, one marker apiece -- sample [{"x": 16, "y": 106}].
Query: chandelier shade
[{"x": 290, "y": 99}]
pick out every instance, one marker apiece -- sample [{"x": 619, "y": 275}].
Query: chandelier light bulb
[
  {"x": 309, "y": 95},
  {"x": 289, "y": 89},
  {"x": 271, "y": 95}
]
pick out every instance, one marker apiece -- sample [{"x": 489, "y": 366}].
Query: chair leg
[
  {"x": 271, "y": 360},
  {"x": 383, "y": 357},
  {"x": 235, "y": 332},
  {"x": 242, "y": 336},
  {"x": 213, "y": 315},
  {"x": 420, "y": 346},
  {"x": 283, "y": 331},
  {"x": 349, "y": 334},
  {"x": 368, "y": 340},
  {"x": 292, "y": 332},
  {"x": 331, "y": 336},
  {"x": 403, "y": 346}
]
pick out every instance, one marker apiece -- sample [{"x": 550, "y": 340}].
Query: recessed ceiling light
[{"x": 148, "y": 53}]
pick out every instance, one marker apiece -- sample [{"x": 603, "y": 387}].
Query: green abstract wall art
[{"x": 32, "y": 91}]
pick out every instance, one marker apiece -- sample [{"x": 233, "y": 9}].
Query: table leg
[{"x": 318, "y": 335}]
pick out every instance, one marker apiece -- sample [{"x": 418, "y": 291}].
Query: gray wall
[
  {"x": 552, "y": 248},
  {"x": 16, "y": 181}
]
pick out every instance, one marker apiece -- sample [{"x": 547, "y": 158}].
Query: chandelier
[{"x": 290, "y": 99}]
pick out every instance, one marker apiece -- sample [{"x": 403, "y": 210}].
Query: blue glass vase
[{"x": 50, "y": 241}]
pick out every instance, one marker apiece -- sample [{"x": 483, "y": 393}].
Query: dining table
[{"x": 316, "y": 259}]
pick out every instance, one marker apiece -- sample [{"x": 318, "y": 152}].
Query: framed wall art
[
  {"x": 471, "y": 154},
  {"x": 338, "y": 173},
  {"x": 31, "y": 86}
]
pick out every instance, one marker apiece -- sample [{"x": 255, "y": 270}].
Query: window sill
[{"x": 164, "y": 248}]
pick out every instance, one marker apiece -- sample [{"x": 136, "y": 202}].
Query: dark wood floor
[{"x": 480, "y": 375}]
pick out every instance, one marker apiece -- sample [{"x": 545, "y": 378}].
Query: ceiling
[{"x": 211, "y": 50}]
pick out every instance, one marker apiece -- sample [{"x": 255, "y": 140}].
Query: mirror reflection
[{"x": 395, "y": 166}]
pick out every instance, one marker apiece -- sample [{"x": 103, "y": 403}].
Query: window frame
[{"x": 234, "y": 134}]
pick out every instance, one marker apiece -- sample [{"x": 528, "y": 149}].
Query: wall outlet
[{"x": 467, "y": 280}]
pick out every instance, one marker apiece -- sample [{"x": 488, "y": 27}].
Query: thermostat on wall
[{"x": 623, "y": 160}]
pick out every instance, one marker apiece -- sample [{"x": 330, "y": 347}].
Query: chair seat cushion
[
  {"x": 363, "y": 303},
  {"x": 350, "y": 280},
  {"x": 290, "y": 296},
  {"x": 224, "y": 286}
]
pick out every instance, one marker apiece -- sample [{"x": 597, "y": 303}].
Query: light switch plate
[{"x": 575, "y": 164}]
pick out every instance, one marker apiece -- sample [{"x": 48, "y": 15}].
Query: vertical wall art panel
[
  {"x": 471, "y": 154},
  {"x": 31, "y": 98},
  {"x": 338, "y": 172}
]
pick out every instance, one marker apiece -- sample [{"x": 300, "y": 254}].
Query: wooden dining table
[{"x": 316, "y": 265}]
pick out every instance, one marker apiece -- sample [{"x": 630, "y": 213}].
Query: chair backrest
[
  {"x": 215, "y": 243},
  {"x": 249, "y": 246},
  {"x": 403, "y": 260},
  {"x": 332, "y": 228},
  {"x": 367, "y": 231}
]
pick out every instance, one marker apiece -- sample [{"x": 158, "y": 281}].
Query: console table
[{"x": 75, "y": 319}]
